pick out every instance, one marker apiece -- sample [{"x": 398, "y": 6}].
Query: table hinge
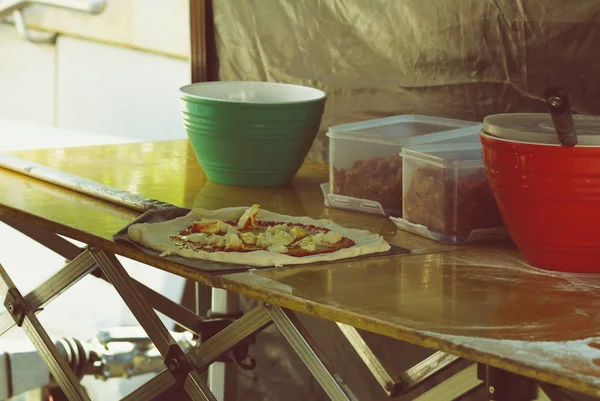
[
  {"x": 178, "y": 363},
  {"x": 16, "y": 305},
  {"x": 213, "y": 324},
  {"x": 506, "y": 386}
]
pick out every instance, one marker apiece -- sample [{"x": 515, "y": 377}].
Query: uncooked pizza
[{"x": 256, "y": 237}]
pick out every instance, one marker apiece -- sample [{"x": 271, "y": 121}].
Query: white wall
[
  {"x": 116, "y": 73},
  {"x": 118, "y": 91},
  {"x": 160, "y": 26},
  {"x": 27, "y": 79}
]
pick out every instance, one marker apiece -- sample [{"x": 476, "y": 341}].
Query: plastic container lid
[
  {"x": 404, "y": 130},
  {"x": 479, "y": 235},
  {"x": 351, "y": 203},
  {"x": 451, "y": 155},
  {"x": 538, "y": 128}
]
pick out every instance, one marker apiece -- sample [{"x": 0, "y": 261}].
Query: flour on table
[{"x": 548, "y": 355}]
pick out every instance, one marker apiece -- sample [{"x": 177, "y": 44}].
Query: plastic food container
[
  {"x": 446, "y": 191},
  {"x": 365, "y": 167}
]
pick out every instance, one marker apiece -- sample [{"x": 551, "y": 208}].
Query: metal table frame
[
  {"x": 184, "y": 370},
  {"x": 181, "y": 369}
]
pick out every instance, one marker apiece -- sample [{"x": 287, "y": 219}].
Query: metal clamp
[
  {"x": 241, "y": 357},
  {"x": 239, "y": 354},
  {"x": 16, "y": 306},
  {"x": 178, "y": 363},
  {"x": 506, "y": 386}
]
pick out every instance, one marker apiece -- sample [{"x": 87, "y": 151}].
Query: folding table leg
[
  {"x": 176, "y": 361},
  {"x": 179, "y": 314},
  {"x": 295, "y": 333},
  {"x": 406, "y": 381},
  {"x": 454, "y": 387},
  {"x": 202, "y": 356},
  {"x": 62, "y": 280},
  {"x": 389, "y": 384},
  {"x": 24, "y": 316},
  {"x": 222, "y": 376}
]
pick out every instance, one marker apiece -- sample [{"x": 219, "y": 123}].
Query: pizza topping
[
  {"x": 284, "y": 237},
  {"x": 279, "y": 248},
  {"x": 277, "y": 234},
  {"x": 331, "y": 237},
  {"x": 261, "y": 241},
  {"x": 267, "y": 239},
  {"x": 248, "y": 234},
  {"x": 248, "y": 219},
  {"x": 249, "y": 238},
  {"x": 199, "y": 238},
  {"x": 278, "y": 228},
  {"x": 232, "y": 230},
  {"x": 298, "y": 232},
  {"x": 216, "y": 241},
  {"x": 233, "y": 241},
  {"x": 210, "y": 226},
  {"x": 309, "y": 243}
]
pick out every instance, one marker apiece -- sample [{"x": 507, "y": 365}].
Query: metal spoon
[{"x": 562, "y": 117}]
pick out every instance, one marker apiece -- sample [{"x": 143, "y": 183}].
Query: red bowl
[{"x": 549, "y": 198}]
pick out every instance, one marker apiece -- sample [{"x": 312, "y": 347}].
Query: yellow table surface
[
  {"x": 484, "y": 304},
  {"x": 481, "y": 302},
  {"x": 169, "y": 172}
]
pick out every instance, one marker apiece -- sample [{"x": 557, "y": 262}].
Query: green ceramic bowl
[{"x": 251, "y": 133}]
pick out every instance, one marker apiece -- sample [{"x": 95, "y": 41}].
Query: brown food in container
[
  {"x": 378, "y": 179},
  {"x": 451, "y": 205}
]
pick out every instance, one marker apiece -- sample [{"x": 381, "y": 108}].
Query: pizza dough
[{"x": 157, "y": 236}]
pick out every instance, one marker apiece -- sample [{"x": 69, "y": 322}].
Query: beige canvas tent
[{"x": 452, "y": 58}]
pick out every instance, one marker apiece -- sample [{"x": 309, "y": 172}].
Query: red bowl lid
[{"x": 538, "y": 128}]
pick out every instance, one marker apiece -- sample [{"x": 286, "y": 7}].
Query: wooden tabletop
[{"x": 482, "y": 302}]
